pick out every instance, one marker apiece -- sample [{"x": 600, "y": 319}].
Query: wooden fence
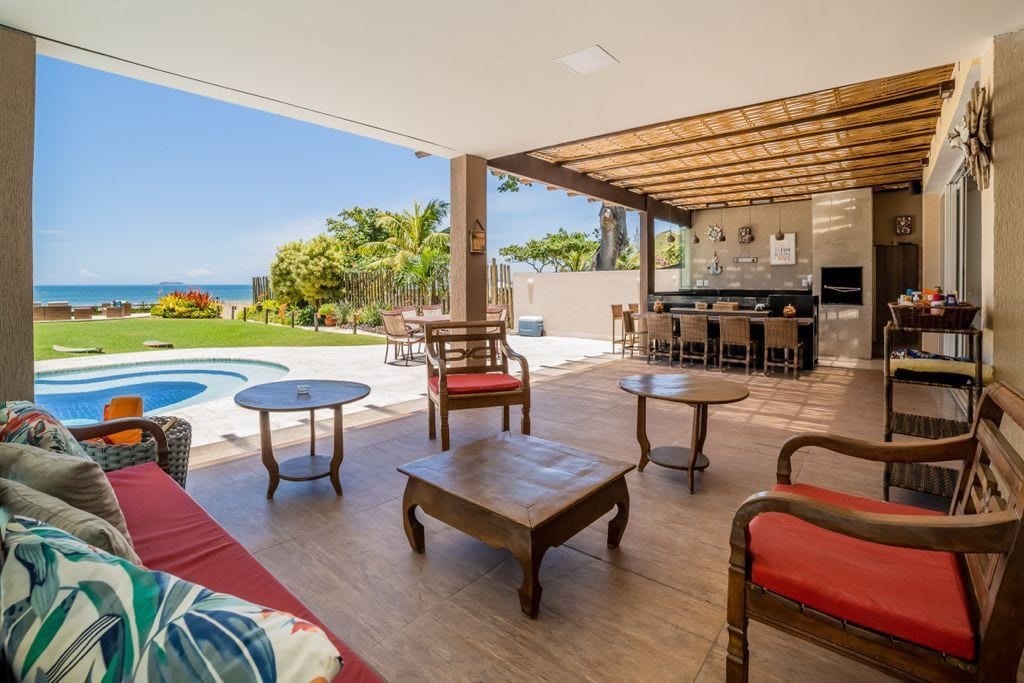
[{"x": 365, "y": 288}]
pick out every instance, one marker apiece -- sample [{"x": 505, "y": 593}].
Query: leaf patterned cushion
[
  {"x": 74, "y": 613},
  {"x": 27, "y": 423}
]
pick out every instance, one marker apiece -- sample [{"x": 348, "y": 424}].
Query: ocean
[{"x": 86, "y": 295}]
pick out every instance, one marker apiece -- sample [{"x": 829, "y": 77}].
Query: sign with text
[{"x": 784, "y": 250}]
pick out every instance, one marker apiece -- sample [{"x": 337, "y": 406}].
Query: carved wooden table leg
[
  {"x": 697, "y": 437},
  {"x": 530, "y": 556},
  {"x": 413, "y": 528},
  {"x": 338, "y": 455},
  {"x": 617, "y": 524},
  {"x": 267, "y": 454},
  {"x": 641, "y": 432}
]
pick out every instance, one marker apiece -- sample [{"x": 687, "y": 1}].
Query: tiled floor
[{"x": 652, "y": 609}]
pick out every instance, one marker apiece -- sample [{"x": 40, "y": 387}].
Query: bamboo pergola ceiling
[{"x": 871, "y": 134}]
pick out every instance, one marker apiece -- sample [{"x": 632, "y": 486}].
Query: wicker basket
[
  {"x": 940, "y": 317},
  {"x": 179, "y": 443}
]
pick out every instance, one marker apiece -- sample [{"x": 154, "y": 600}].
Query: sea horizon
[{"x": 95, "y": 294}]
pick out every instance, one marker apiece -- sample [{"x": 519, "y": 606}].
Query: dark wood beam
[
  {"x": 930, "y": 93},
  {"x": 926, "y": 121},
  {"x": 817, "y": 166},
  {"x": 646, "y": 258},
  {"x": 542, "y": 171},
  {"x": 809, "y": 188},
  {"x": 866, "y": 172},
  {"x": 914, "y": 140}
]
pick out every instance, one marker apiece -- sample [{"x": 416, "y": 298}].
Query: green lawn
[{"x": 121, "y": 336}]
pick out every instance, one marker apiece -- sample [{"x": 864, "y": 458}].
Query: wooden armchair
[
  {"x": 925, "y": 596},
  {"x": 467, "y": 367}
]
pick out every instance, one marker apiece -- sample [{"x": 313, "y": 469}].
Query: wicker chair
[
  {"x": 616, "y": 317},
  {"x": 400, "y": 336},
  {"x": 432, "y": 311},
  {"x": 630, "y": 333},
  {"x": 660, "y": 336},
  {"x": 780, "y": 334},
  {"x": 695, "y": 342},
  {"x": 733, "y": 332},
  {"x": 166, "y": 440},
  {"x": 467, "y": 367}
]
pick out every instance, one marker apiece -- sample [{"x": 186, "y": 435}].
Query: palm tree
[{"x": 417, "y": 248}]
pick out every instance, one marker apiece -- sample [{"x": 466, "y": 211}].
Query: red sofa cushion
[
  {"x": 477, "y": 383},
  {"x": 916, "y": 595},
  {"x": 172, "y": 533}
]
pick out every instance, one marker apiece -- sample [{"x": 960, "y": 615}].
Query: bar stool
[
  {"x": 630, "y": 333},
  {"x": 660, "y": 336},
  {"x": 733, "y": 332},
  {"x": 780, "y": 334},
  {"x": 693, "y": 332},
  {"x": 616, "y": 315}
]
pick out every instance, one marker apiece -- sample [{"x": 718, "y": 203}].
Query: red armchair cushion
[
  {"x": 172, "y": 533},
  {"x": 916, "y": 595},
  {"x": 477, "y": 383}
]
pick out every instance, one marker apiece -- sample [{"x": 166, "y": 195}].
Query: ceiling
[
  {"x": 465, "y": 76},
  {"x": 871, "y": 134}
]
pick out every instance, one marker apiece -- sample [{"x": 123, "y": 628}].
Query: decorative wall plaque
[
  {"x": 746, "y": 235},
  {"x": 784, "y": 251},
  {"x": 716, "y": 234},
  {"x": 744, "y": 259},
  {"x": 904, "y": 225}
]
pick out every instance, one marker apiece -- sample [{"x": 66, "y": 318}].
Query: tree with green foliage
[
  {"x": 416, "y": 246},
  {"x": 355, "y": 227},
  {"x": 319, "y": 276},
  {"x": 563, "y": 250},
  {"x": 284, "y": 272}
]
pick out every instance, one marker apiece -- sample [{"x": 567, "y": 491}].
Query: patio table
[
  {"x": 421, "y": 320},
  {"x": 280, "y": 397},
  {"x": 695, "y": 391}
]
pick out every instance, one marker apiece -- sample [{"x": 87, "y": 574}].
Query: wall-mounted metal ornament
[
  {"x": 716, "y": 234},
  {"x": 744, "y": 259},
  {"x": 478, "y": 238},
  {"x": 973, "y": 136},
  {"x": 715, "y": 267},
  {"x": 904, "y": 225},
  {"x": 746, "y": 235}
]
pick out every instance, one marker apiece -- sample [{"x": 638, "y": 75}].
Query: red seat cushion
[
  {"x": 172, "y": 533},
  {"x": 916, "y": 595},
  {"x": 477, "y": 383}
]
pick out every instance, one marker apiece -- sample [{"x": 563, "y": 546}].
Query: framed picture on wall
[
  {"x": 783, "y": 251},
  {"x": 904, "y": 225}
]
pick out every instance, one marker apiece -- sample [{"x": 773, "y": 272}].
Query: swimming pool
[{"x": 78, "y": 396}]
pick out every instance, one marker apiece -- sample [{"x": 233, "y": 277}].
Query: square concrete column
[
  {"x": 468, "y": 213},
  {"x": 646, "y": 257},
  {"x": 17, "y": 136}
]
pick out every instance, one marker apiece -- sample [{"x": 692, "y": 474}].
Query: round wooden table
[
  {"x": 284, "y": 397},
  {"x": 696, "y": 391}
]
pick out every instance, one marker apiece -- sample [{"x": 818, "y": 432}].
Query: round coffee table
[
  {"x": 696, "y": 391},
  {"x": 284, "y": 397}
]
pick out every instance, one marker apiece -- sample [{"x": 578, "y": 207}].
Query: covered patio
[{"x": 806, "y": 144}]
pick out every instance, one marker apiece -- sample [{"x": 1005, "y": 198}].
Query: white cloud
[
  {"x": 199, "y": 272},
  {"x": 86, "y": 273},
  {"x": 50, "y": 232}
]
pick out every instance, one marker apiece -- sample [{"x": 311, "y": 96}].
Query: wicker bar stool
[
  {"x": 693, "y": 333},
  {"x": 660, "y": 336},
  {"x": 630, "y": 333},
  {"x": 634, "y": 308},
  {"x": 780, "y": 334},
  {"x": 616, "y": 316},
  {"x": 733, "y": 332}
]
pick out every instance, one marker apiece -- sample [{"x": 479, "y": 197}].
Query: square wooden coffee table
[{"x": 517, "y": 492}]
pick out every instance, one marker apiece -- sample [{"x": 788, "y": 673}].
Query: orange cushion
[
  {"x": 123, "y": 406},
  {"x": 916, "y": 595},
  {"x": 477, "y": 384}
]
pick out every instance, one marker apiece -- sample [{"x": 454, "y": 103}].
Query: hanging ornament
[
  {"x": 715, "y": 267},
  {"x": 716, "y": 234},
  {"x": 779, "y": 236}
]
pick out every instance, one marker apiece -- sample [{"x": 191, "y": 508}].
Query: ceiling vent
[{"x": 588, "y": 60}]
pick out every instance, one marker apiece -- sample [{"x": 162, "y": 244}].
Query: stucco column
[
  {"x": 17, "y": 136},
  {"x": 646, "y": 258},
  {"x": 468, "y": 213}
]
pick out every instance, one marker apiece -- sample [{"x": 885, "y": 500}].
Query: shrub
[
  {"x": 370, "y": 315},
  {"x": 304, "y": 316},
  {"x": 192, "y": 303},
  {"x": 326, "y": 310},
  {"x": 344, "y": 311}
]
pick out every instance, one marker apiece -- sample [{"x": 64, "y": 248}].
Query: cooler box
[{"x": 531, "y": 326}]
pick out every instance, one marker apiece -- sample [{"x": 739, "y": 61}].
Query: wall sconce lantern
[{"x": 478, "y": 239}]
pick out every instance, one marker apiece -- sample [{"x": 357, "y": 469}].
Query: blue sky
[{"x": 136, "y": 183}]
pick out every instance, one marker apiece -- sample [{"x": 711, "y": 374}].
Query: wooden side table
[
  {"x": 696, "y": 391},
  {"x": 283, "y": 397}
]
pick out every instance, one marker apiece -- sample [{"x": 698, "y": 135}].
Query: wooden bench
[{"x": 956, "y": 613}]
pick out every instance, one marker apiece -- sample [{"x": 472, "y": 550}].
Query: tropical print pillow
[
  {"x": 27, "y": 423},
  {"x": 71, "y": 612}
]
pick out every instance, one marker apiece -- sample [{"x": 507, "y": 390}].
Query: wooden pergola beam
[
  {"x": 920, "y": 96},
  {"x": 917, "y": 140},
  {"x": 550, "y": 174},
  {"x": 809, "y": 188},
  {"x": 926, "y": 121}
]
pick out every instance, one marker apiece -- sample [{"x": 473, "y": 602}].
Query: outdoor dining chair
[{"x": 400, "y": 336}]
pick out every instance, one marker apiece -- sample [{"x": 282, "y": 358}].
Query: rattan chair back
[
  {"x": 659, "y": 327},
  {"x": 780, "y": 333},
  {"x": 616, "y": 311},
  {"x": 693, "y": 328},
  {"x": 628, "y": 323},
  {"x": 634, "y": 308},
  {"x": 734, "y": 329},
  {"x": 394, "y": 324}
]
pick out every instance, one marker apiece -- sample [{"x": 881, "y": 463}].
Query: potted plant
[{"x": 328, "y": 315}]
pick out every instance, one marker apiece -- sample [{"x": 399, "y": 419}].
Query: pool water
[{"x": 78, "y": 396}]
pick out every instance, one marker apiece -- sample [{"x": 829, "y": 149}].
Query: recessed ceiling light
[{"x": 587, "y": 60}]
